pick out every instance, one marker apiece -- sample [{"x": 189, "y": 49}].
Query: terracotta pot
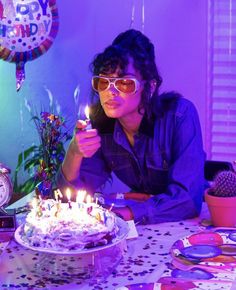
[{"x": 222, "y": 210}]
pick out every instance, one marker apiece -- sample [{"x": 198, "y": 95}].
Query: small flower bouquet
[{"x": 43, "y": 161}]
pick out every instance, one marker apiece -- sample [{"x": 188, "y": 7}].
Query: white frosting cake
[{"x": 68, "y": 226}]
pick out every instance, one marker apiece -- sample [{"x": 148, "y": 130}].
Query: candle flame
[
  {"x": 56, "y": 195},
  {"x": 87, "y": 111},
  {"x": 88, "y": 199},
  {"x": 68, "y": 194},
  {"x": 34, "y": 203},
  {"x": 80, "y": 196}
]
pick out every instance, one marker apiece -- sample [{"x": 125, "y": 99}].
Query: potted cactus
[{"x": 221, "y": 199}]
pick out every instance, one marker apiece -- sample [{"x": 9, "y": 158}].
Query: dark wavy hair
[{"x": 129, "y": 44}]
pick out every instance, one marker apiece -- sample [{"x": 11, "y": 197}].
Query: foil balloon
[{"x": 27, "y": 30}]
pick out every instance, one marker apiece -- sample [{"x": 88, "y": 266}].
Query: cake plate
[{"x": 94, "y": 264}]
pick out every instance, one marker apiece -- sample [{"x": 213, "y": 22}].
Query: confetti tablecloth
[{"x": 146, "y": 260}]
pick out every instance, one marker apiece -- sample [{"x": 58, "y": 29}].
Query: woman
[{"x": 152, "y": 143}]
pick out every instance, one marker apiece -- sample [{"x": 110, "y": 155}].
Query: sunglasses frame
[{"x": 112, "y": 81}]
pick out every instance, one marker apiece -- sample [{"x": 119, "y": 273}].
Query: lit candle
[
  {"x": 58, "y": 208},
  {"x": 111, "y": 207},
  {"x": 56, "y": 195},
  {"x": 98, "y": 216},
  {"x": 89, "y": 204},
  {"x": 88, "y": 122},
  {"x": 104, "y": 217},
  {"x": 60, "y": 193},
  {"x": 34, "y": 204},
  {"x": 40, "y": 199},
  {"x": 40, "y": 207},
  {"x": 80, "y": 197},
  {"x": 68, "y": 195},
  {"x": 88, "y": 199}
]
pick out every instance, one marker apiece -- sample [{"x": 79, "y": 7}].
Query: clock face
[{"x": 5, "y": 189}]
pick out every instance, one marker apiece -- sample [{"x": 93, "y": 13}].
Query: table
[{"x": 147, "y": 260}]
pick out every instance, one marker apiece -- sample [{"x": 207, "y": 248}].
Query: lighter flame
[{"x": 87, "y": 111}]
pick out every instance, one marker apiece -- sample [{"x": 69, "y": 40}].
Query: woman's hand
[
  {"x": 136, "y": 196},
  {"x": 85, "y": 142},
  {"x": 124, "y": 212}
]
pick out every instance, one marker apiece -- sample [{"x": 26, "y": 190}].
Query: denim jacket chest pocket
[
  {"x": 122, "y": 164},
  {"x": 118, "y": 160},
  {"x": 157, "y": 172}
]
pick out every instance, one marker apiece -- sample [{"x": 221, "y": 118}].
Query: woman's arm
[{"x": 184, "y": 194}]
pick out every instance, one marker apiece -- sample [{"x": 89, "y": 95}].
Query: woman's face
[{"x": 117, "y": 104}]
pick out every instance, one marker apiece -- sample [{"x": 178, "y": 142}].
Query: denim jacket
[{"x": 166, "y": 161}]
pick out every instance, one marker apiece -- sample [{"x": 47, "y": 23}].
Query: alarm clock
[
  {"x": 7, "y": 217},
  {"x": 5, "y": 186}
]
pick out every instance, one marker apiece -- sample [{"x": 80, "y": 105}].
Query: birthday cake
[{"x": 68, "y": 227}]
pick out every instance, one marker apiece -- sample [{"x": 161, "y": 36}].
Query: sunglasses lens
[
  {"x": 100, "y": 84},
  {"x": 126, "y": 85}
]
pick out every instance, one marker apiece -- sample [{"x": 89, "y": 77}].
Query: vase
[{"x": 222, "y": 209}]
